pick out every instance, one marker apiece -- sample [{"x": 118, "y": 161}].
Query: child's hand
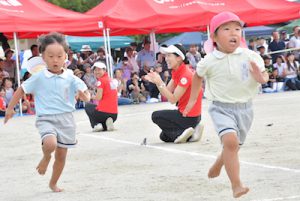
[
  {"x": 261, "y": 77},
  {"x": 9, "y": 113},
  {"x": 84, "y": 95}
]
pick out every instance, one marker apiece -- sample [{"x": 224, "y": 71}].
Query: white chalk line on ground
[
  {"x": 279, "y": 199},
  {"x": 191, "y": 153}
]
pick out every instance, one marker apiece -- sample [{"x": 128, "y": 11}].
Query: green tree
[{"x": 76, "y": 5}]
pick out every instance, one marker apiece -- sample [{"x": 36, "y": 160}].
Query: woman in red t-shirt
[
  {"x": 175, "y": 127},
  {"x": 105, "y": 112}
]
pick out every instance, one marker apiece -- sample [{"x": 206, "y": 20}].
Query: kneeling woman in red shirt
[
  {"x": 106, "y": 112},
  {"x": 175, "y": 127}
]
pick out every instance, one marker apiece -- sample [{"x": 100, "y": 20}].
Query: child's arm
[
  {"x": 260, "y": 77},
  {"x": 84, "y": 95},
  {"x": 196, "y": 87},
  {"x": 15, "y": 99}
]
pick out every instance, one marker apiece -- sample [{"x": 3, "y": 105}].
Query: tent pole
[
  {"x": 18, "y": 69},
  {"x": 106, "y": 52},
  {"x": 109, "y": 53}
]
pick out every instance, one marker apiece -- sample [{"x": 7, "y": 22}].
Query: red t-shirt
[
  {"x": 2, "y": 104},
  {"x": 183, "y": 77},
  {"x": 109, "y": 101}
]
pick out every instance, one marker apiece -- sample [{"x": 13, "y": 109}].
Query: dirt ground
[{"x": 114, "y": 166}]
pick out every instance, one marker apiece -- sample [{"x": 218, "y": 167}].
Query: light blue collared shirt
[{"x": 53, "y": 94}]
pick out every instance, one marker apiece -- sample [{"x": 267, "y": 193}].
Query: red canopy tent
[
  {"x": 30, "y": 18},
  {"x": 127, "y": 17}
]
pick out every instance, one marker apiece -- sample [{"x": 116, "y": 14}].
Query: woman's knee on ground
[{"x": 156, "y": 116}]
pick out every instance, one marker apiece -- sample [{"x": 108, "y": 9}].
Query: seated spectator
[
  {"x": 121, "y": 88},
  {"x": 7, "y": 84},
  {"x": 10, "y": 64},
  {"x": 144, "y": 71},
  {"x": 105, "y": 113},
  {"x": 291, "y": 72},
  {"x": 27, "y": 100},
  {"x": 261, "y": 50},
  {"x": 101, "y": 55},
  {"x": 271, "y": 85},
  {"x": 131, "y": 54},
  {"x": 136, "y": 89},
  {"x": 280, "y": 65},
  {"x": 2, "y": 101},
  {"x": 72, "y": 62},
  {"x": 166, "y": 79},
  {"x": 2, "y": 71},
  {"x": 154, "y": 92},
  {"x": 126, "y": 68},
  {"x": 89, "y": 78},
  {"x": 79, "y": 103},
  {"x": 193, "y": 56}
]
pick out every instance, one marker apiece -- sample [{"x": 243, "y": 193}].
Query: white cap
[
  {"x": 172, "y": 49},
  {"x": 99, "y": 64}
]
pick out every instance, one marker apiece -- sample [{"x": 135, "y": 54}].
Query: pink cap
[{"x": 216, "y": 22}]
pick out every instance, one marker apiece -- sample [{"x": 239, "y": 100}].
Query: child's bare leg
[
  {"x": 232, "y": 165},
  {"x": 58, "y": 166},
  {"x": 49, "y": 145},
  {"x": 215, "y": 169}
]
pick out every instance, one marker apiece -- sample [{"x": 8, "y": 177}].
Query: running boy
[
  {"x": 232, "y": 75},
  {"x": 54, "y": 90}
]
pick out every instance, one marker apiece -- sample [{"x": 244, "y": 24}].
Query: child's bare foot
[
  {"x": 215, "y": 170},
  {"x": 55, "y": 189},
  {"x": 42, "y": 166},
  {"x": 239, "y": 191}
]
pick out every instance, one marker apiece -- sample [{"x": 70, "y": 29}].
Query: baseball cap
[
  {"x": 99, "y": 65},
  {"x": 216, "y": 22},
  {"x": 178, "y": 49}
]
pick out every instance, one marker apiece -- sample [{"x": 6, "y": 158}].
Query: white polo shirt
[
  {"x": 53, "y": 94},
  {"x": 227, "y": 76}
]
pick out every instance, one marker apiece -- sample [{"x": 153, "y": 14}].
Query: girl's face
[
  {"x": 8, "y": 84},
  {"x": 173, "y": 61},
  {"x": 88, "y": 70},
  {"x": 279, "y": 60},
  {"x": 54, "y": 56},
  {"x": 2, "y": 93},
  {"x": 291, "y": 57},
  {"x": 118, "y": 74},
  {"x": 228, "y": 37},
  {"x": 99, "y": 72}
]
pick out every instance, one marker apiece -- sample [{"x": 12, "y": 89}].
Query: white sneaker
[
  {"x": 184, "y": 136},
  {"x": 109, "y": 124},
  {"x": 197, "y": 135},
  {"x": 98, "y": 128}
]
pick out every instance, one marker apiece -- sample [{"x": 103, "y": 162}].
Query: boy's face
[
  {"x": 54, "y": 56},
  {"x": 228, "y": 37}
]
